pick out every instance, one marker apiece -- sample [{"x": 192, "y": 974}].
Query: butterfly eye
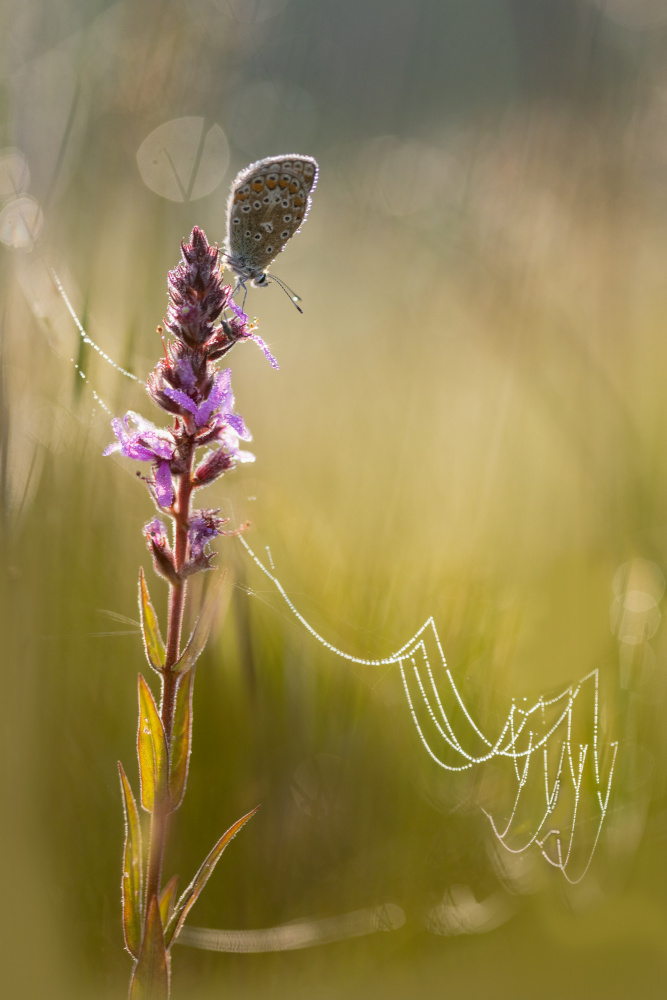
[{"x": 257, "y": 236}]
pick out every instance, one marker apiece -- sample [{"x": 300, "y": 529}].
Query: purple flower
[
  {"x": 156, "y": 532},
  {"x": 203, "y": 527},
  {"x": 220, "y": 399},
  {"x": 215, "y": 419},
  {"x": 146, "y": 443}
]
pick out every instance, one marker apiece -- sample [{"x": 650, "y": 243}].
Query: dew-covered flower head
[{"x": 203, "y": 440}]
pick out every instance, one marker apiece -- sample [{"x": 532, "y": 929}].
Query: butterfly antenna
[{"x": 288, "y": 291}]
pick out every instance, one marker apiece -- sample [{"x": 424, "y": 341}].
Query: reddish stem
[{"x": 177, "y": 592}]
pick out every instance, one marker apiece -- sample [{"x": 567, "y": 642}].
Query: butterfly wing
[{"x": 267, "y": 205}]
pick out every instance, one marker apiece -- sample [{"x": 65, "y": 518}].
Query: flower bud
[{"x": 212, "y": 466}]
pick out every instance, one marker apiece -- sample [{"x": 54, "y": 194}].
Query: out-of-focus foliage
[{"x": 468, "y": 422}]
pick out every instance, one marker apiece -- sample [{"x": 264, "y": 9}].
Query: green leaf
[
  {"x": 132, "y": 889},
  {"x": 150, "y": 979},
  {"x": 168, "y": 900},
  {"x": 215, "y": 604},
  {"x": 151, "y": 750},
  {"x": 150, "y": 629},
  {"x": 189, "y": 897},
  {"x": 181, "y": 739}
]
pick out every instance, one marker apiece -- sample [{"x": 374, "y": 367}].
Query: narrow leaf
[
  {"x": 189, "y": 897},
  {"x": 215, "y": 603},
  {"x": 132, "y": 890},
  {"x": 150, "y": 629},
  {"x": 150, "y": 979},
  {"x": 151, "y": 750},
  {"x": 168, "y": 900},
  {"x": 181, "y": 739}
]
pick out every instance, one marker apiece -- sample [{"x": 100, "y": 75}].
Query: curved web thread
[{"x": 531, "y": 738}]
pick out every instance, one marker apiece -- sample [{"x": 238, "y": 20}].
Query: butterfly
[{"x": 267, "y": 205}]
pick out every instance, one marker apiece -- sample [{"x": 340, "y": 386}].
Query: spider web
[
  {"x": 536, "y": 738},
  {"x": 540, "y": 744}
]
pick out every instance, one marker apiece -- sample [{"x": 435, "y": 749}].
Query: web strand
[{"x": 90, "y": 343}]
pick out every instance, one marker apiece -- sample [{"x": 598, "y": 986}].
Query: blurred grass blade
[
  {"x": 168, "y": 900},
  {"x": 181, "y": 739},
  {"x": 132, "y": 889},
  {"x": 189, "y": 897},
  {"x": 215, "y": 603},
  {"x": 151, "y": 750},
  {"x": 298, "y": 934},
  {"x": 150, "y": 629},
  {"x": 150, "y": 979}
]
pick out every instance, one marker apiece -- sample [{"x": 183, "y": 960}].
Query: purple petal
[
  {"x": 164, "y": 489},
  {"x": 229, "y": 443},
  {"x": 204, "y": 525},
  {"x": 181, "y": 398},
  {"x": 160, "y": 446},
  {"x": 156, "y": 530},
  {"x": 186, "y": 376},
  {"x": 219, "y": 398},
  {"x": 262, "y": 345},
  {"x": 238, "y": 312},
  {"x": 237, "y": 423}
]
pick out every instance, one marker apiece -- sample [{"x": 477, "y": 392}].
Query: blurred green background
[{"x": 468, "y": 422}]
